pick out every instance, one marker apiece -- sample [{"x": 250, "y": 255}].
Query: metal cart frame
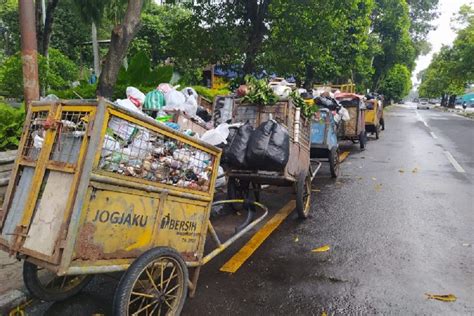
[{"x": 65, "y": 213}]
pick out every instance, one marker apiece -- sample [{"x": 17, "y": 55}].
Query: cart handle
[{"x": 223, "y": 246}]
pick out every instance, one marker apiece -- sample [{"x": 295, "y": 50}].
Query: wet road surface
[{"x": 399, "y": 222}]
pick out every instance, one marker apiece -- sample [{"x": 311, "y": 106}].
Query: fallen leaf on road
[
  {"x": 360, "y": 178},
  {"x": 443, "y": 298},
  {"x": 324, "y": 314},
  {"x": 374, "y": 178},
  {"x": 466, "y": 245},
  {"x": 321, "y": 249},
  {"x": 378, "y": 187},
  {"x": 315, "y": 190},
  {"x": 401, "y": 170},
  {"x": 415, "y": 170},
  {"x": 296, "y": 239}
]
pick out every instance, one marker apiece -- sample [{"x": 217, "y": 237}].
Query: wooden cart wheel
[
  {"x": 377, "y": 132},
  {"x": 155, "y": 284},
  {"x": 303, "y": 194},
  {"x": 334, "y": 164},
  {"x": 47, "y": 286}
]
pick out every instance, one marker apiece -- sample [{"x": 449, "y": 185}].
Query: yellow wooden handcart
[{"x": 98, "y": 189}]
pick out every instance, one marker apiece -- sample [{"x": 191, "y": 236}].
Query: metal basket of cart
[
  {"x": 98, "y": 189},
  {"x": 324, "y": 143},
  {"x": 298, "y": 171},
  {"x": 374, "y": 121},
  {"x": 354, "y": 129}
]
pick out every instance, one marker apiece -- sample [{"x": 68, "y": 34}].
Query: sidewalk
[{"x": 12, "y": 290}]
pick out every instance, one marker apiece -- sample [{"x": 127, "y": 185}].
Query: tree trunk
[
  {"x": 44, "y": 30},
  {"x": 122, "y": 35},
  {"x": 444, "y": 99},
  {"x": 452, "y": 100},
  {"x": 95, "y": 50},
  {"x": 256, "y": 11},
  {"x": 309, "y": 77}
]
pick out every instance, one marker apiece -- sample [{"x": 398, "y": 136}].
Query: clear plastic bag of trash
[
  {"x": 217, "y": 135},
  {"x": 110, "y": 145}
]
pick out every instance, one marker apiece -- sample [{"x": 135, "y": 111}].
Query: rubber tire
[
  {"x": 122, "y": 293},
  {"x": 34, "y": 286},
  {"x": 334, "y": 164},
  {"x": 382, "y": 123},
  {"x": 300, "y": 184},
  {"x": 362, "y": 140}
]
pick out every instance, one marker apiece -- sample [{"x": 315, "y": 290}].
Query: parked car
[{"x": 423, "y": 104}]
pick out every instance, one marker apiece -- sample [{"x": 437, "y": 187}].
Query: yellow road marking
[
  {"x": 343, "y": 156},
  {"x": 249, "y": 248}
]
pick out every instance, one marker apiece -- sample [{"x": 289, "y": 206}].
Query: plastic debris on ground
[
  {"x": 321, "y": 249},
  {"x": 443, "y": 298}
]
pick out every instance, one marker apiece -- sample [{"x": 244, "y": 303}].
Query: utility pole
[{"x": 29, "y": 50}]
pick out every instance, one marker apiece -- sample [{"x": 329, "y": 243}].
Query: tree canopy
[
  {"x": 452, "y": 69},
  {"x": 363, "y": 41}
]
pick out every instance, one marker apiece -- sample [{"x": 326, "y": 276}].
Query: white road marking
[
  {"x": 421, "y": 119},
  {"x": 453, "y": 161},
  {"x": 433, "y": 135}
]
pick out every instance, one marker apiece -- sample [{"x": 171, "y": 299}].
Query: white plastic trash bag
[
  {"x": 217, "y": 136},
  {"x": 174, "y": 101},
  {"x": 344, "y": 114},
  {"x": 135, "y": 96},
  {"x": 188, "y": 91},
  {"x": 128, "y": 105}
]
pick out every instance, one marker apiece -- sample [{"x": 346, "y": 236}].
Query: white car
[{"x": 423, "y": 104}]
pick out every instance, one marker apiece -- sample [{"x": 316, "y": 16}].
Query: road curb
[{"x": 10, "y": 300}]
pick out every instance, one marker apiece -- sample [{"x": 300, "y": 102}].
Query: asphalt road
[{"x": 399, "y": 222}]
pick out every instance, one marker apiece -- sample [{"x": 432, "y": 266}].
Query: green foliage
[
  {"x": 397, "y": 83},
  {"x": 391, "y": 25},
  {"x": 70, "y": 33},
  {"x": 156, "y": 36},
  {"x": 329, "y": 46},
  {"x": 307, "y": 110},
  {"x": 84, "y": 90},
  {"x": 210, "y": 93},
  {"x": 9, "y": 28},
  {"x": 57, "y": 74},
  {"x": 452, "y": 69},
  {"x": 11, "y": 124},
  {"x": 259, "y": 92},
  {"x": 139, "y": 74}
]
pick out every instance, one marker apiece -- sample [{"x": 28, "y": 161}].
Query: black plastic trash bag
[
  {"x": 236, "y": 150},
  {"x": 269, "y": 147},
  {"x": 328, "y": 103}
]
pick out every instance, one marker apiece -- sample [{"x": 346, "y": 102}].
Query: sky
[{"x": 443, "y": 35}]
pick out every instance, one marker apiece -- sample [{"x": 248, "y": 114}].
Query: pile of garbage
[
  {"x": 132, "y": 150},
  {"x": 161, "y": 103}
]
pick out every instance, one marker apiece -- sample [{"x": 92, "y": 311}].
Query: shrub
[
  {"x": 210, "y": 93},
  {"x": 57, "y": 74},
  {"x": 11, "y": 124}
]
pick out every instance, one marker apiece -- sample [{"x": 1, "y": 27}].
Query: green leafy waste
[{"x": 259, "y": 92}]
